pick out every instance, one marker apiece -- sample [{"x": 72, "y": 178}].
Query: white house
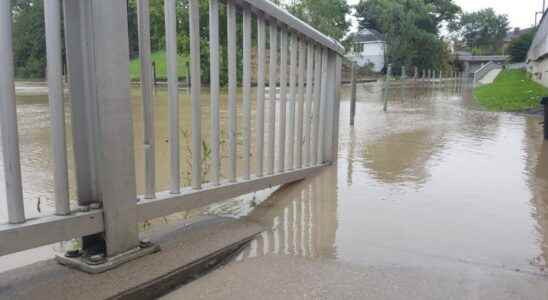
[{"x": 368, "y": 49}]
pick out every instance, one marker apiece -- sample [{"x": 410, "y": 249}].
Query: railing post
[
  {"x": 334, "y": 64},
  {"x": 8, "y": 121},
  {"x": 337, "y": 107},
  {"x": 52, "y": 13},
  {"x": 98, "y": 60}
]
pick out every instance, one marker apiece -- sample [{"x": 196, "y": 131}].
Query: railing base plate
[{"x": 85, "y": 265}]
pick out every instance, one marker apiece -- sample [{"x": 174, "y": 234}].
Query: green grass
[
  {"x": 512, "y": 90},
  {"x": 160, "y": 59}
]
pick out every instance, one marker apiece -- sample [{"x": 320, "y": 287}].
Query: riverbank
[
  {"x": 511, "y": 91},
  {"x": 159, "y": 60}
]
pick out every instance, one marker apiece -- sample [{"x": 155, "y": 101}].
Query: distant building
[
  {"x": 368, "y": 48},
  {"x": 514, "y": 34}
]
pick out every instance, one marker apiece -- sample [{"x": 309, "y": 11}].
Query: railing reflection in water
[{"x": 300, "y": 220}]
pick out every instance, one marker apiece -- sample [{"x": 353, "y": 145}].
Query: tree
[
  {"x": 443, "y": 10},
  {"x": 29, "y": 44},
  {"x": 428, "y": 15},
  {"x": 411, "y": 30},
  {"x": 519, "y": 47},
  {"x": 482, "y": 31},
  {"x": 157, "y": 30},
  {"x": 327, "y": 16}
]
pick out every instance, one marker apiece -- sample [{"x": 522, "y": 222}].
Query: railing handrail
[
  {"x": 483, "y": 70},
  {"x": 483, "y": 67},
  {"x": 284, "y": 17}
]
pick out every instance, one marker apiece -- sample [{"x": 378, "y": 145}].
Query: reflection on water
[
  {"x": 433, "y": 180},
  {"x": 301, "y": 220}
]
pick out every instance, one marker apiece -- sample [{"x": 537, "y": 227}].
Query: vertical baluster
[
  {"x": 261, "y": 40},
  {"x": 308, "y": 103},
  {"x": 147, "y": 98},
  {"x": 195, "y": 86},
  {"x": 323, "y": 108},
  {"x": 52, "y": 13},
  {"x": 283, "y": 99},
  {"x": 317, "y": 101},
  {"x": 300, "y": 97},
  {"x": 247, "y": 91},
  {"x": 332, "y": 110},
  {"x": 292, "y": 100},
  {"x": 272, "y": 88},
  {"x": 214, "y": 89},
  {"x": 172, "y": 85},
  {"x": 232, "y": 82},
  {"x": 8, "y": 120}
]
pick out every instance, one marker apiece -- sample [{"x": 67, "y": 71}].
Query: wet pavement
[{"x": 435, "y": 199}]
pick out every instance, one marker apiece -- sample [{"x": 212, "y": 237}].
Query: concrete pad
[
  {"x": 290, "y": 277},
  {"x": 183, "y": 249},
  {"x": 490, "y": 77}
]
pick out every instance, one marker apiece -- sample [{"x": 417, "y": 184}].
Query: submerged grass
[
  {"x": 159, "y": 58},
  {"x": 512, "y": 90}
]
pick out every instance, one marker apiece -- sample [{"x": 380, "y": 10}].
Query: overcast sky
[{"x": 520, "y": 12}]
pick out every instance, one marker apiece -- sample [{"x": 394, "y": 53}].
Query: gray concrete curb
[{"x": 187, "y": 252}]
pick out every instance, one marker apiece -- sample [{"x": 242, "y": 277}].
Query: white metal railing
[
  {"x": 483, "y": 70},
  {"x": 96, "y": 38}
]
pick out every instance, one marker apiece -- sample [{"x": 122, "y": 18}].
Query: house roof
[
  {"x": 516, "y": 33},
  {"x": 368, "y": 35}
]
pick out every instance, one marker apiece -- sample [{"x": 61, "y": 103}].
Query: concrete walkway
[
  {"x": 490, "y": 77},
  {"x": 283, "y": 277},
  {"x": 187, "y": 249}
]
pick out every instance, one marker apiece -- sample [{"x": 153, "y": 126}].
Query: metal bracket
[{"x": 95, "y": 264}]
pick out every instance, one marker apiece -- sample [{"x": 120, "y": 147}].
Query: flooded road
[
  {"x": 435, "y": 185},
  {"x": 433, "y": 179},
  {"x": 434, "y": 182}
]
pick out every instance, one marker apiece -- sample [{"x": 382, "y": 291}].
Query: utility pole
[
  {"x": 540, "y": 12},
  {"x": 536, "y": 15}
]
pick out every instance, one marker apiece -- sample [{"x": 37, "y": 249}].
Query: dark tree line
[
  {"x": 411, "y": 28},
  {"x": 519, "y": 47},
  {"x": 29, "y": 35},
  {"x": 29, "y": 43}
]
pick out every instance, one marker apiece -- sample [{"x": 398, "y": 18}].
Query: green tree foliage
[
  {"x": 482, "y": 31},
  {"x": 157, "y": 29},
  {"x": 519, "y": 47},
  {"x": 327, "y": 16},
  {"x": 411, "y": 29},
  {"x": 29, "y": 44},
  {"x": 443, "y": 11}
]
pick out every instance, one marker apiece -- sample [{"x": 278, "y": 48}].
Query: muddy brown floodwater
[
  {"x": 434, "y": 178},
  {"x": 436, "y": 185},
  {"x": 435, "y": 181}
]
